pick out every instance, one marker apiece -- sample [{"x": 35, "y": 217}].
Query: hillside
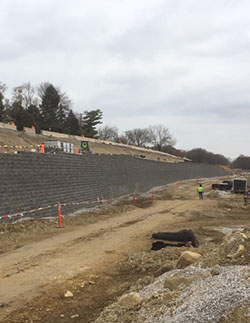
[{"x": 12, "y": 141}]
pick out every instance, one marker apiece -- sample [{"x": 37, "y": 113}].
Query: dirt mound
[{"x": 217, "y": 194}]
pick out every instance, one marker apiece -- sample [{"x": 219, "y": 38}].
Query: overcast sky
[{"x": 181, "y": 63}]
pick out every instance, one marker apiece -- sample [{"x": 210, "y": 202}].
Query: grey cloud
[{"x": 142, "y": 61}]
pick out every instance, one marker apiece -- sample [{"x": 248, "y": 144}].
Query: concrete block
[
  {"x": 7, "y": 126},
  {"x": 54, "y": 134}
]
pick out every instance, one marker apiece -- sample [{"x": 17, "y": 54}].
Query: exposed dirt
[
  {"x": 104, "y": 253},
  {"x": 22, "y": 141}
]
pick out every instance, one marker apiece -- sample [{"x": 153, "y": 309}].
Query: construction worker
[{"x": 200, "y": 191}]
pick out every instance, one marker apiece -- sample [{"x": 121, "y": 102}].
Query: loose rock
[
  {"x": 130, "y": 299},
  {"x": 68, "y": 294},
  {"x": 187, "y": 258}
]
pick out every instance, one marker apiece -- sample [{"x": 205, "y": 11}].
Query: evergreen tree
[
  {"x": 90, "y": 120},
  {"x": 54, "y": 107},
  {"x": 49, "y": 107},
  {"x": 36, "y": 115},
  {"x": 60, "y": 124},
  {"x": 20, "y": 116},
  {"x": 7, "y": 111},
  {"x": 72, "y": 124},
  {"x": 2, "y": 105}
]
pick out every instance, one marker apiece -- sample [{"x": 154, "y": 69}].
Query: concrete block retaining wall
[{"x": 32, "y": 180}]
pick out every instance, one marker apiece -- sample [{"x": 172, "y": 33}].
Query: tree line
[
  {"x": 159, "y": 138},
  {"x": 46, "y": 107}
]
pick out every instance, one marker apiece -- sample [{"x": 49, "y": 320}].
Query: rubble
[{"x": 198, "y": 293}]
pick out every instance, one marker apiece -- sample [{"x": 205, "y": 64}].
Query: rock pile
[{"x": 196, "y": 293}]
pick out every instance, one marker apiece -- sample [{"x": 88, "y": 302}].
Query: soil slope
[{"x": 25, "y": 142}]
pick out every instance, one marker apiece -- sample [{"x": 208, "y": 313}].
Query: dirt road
[{"x": 40, "y": 260}]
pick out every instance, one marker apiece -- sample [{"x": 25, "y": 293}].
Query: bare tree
[
  {"x": 108, "y": 132},
  {"x": 122, "y": 139},
  {"x": 2, "y": 87},
  {"x": 201, "y": 155},
  {"x": 159, "y": 136},
  {"x": 137, "y": 136},
  {"x": 25, "y": 94},
  {"x": 65, "y": 101},
  {"x": 242, "y": 162}
]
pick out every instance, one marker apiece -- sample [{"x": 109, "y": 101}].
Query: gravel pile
[
  {"x": 205, "y": 300},
  {"x": 193, "y": 294},
  {"x": 214, "y": 289}
]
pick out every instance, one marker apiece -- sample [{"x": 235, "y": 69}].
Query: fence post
[
  {"x": 134, "y": 199},
  {"x": 59, "y": 215},
  {"x": 246, "y": 198}
]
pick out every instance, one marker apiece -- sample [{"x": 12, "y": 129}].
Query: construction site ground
[{"x": 104, "y": 253}]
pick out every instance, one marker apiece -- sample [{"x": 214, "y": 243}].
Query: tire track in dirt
[
  {"x": 27, "y": 270},
  {"x": 7, "y": 270}
]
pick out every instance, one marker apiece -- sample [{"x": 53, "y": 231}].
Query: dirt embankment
[
  {"x": 12, "y": 141},
  {"x": 104, "y": 254}
]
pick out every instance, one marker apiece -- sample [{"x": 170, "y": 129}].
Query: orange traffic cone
[{"x": 42, "y": 149}]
